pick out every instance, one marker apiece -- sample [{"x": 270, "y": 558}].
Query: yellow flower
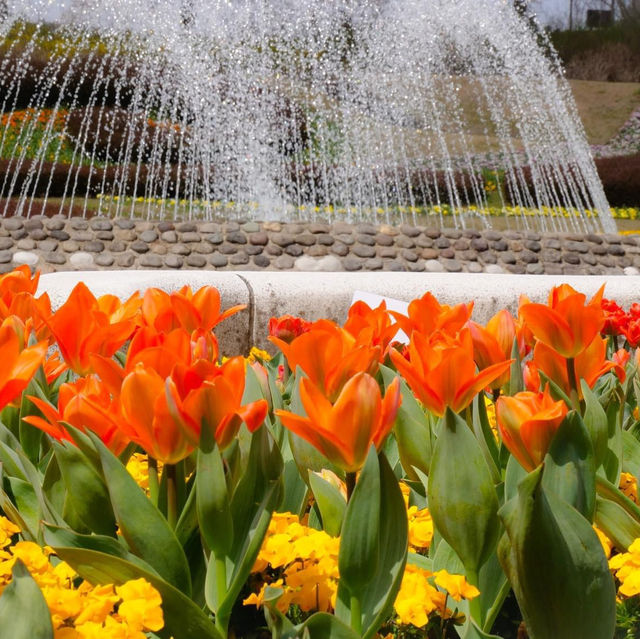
[
  {"x": 141, "y": 605},
  {"x": 626, "y": 567},
  {"x": 629, "y": 486},
  {"x": 7, "y": 530},
  {"x": 607, "y": 544},
  {"x": 98, "y": 603},
  {"x": 418, "y": 598},
  {"x": 420, "y": 528},
  {"x": 456, "y": 585},
  {"x": 257, "y": 354}
]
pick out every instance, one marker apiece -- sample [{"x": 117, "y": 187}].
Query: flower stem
[
  {"x": 172, "y": 495},
  {"x": 153, "y": 480},
  {"x": 221, "y": 587},
  {"x": 475, "y": 609},
  {"x": 573, "y": 383},
  {"x": 350, "y": 481},
  {"x": 356, "y": 615}
]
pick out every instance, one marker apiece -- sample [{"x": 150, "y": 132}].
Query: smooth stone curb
[{"x": 317, "y": 295}]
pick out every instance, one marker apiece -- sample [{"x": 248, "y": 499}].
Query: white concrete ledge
[{"x": 316, "y": 295}]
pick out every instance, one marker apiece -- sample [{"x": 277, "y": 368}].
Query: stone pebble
[{"x": 79, "y": 243}]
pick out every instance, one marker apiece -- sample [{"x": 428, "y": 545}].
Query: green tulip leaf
[
  {"x": 378, "y": 595},
  {"x": 462, "y": 497},
  {"x": 616, "y": 523},
  {"x": 86, "y": 489},
  {"x": 612, "y": 462},
  {"x": 322, "y": 625},
  {"x": 595, "y": 419},
  {"x": 556, "y": 566},
  {"x": 485, "y": 436},
  {"x": 255, "y": 498},
  {"x": 473, "y": 632},
  {"x": 516, "y": 380},
  {"x": 65, "y": 537},
  {"x": 630, "y": 454},
  {"x": 569, "y": 469},
  {"x": 360, "y": 540},
  {"x": 183, "y": 618},
  {"x": 144, "y": 528},
  {"x": 412, "y": 429},
  {"x": 24, "y": 613},
  {"x": 331, "y": 503},
  {"x": 212, "y": 499}
]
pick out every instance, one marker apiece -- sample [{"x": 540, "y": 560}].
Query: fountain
[{"x": 354, "y": 109}]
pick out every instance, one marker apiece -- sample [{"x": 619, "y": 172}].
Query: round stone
[
  {"x": 70, "y": 246},
  {"x": 410, "y": 256},
  {"x": 494, "y": 269},
  {"x": 187, "y": 227},
  {"x": 197, "y": 261},
  {"x": 631, "y": 270},
  {"x": 148, "y": 236},
  {"x": 405, "y": 242},
  {"x": 352, "y": 263},
  {"x": 203, "y": 247},
  {"x": 327, "y": 263},
  {"x": 474, "y": 267},
  {"x": 37, "y": 234},
  {"x": 306, "y": 239},
  {"x": 535, "y": 269},
  {"x": 339, "y": 249},
  {"x": 96, "y": 246},
  {"x": 125, "y": 223},
  {"x": 139, "y": 246},
  {"x": 5, "y": 257},
  {"x": 151, "y": 260},
  {"x": 259, "y": 239},
  {"x": 261, "y": 260},
  {"x": 27, "y": 244},
  {"x": 59, "y": 235},
  {"x": 101, "y": 224},
  {"x": 410, "y": 231},
  {"x": 106, "y": 236},
  {"x": 170, "y": 237},
  {"x": 362, "y": 250},
  {"x": 117, "y": 246},
  {"x": 325, "y": 239},
  {"x": 373, "y": 264},
  {"x": 19, "y": 234},
  {"x": 173, "y": 261},
  {"x": 442, "y": 242},
  {"x": 218, "y": 261},
  {"x": 78, "y": 224},
  {"x": 284, "y": 262},
  {"x": 126, "y": 259},
  {"x": 54, "y": 258},
  {"x": 82, "y": 236},
  {"x": 214, "y": 238},
  {"x": 479, "y": 244},
  {"x": 239, "y": 259},
  {"x": 210, "y": 227},
  {"x": 382, "y": 239},
  {"x": 283, "y": 239},
  {"x": 250, "y": 227},
  {"x": 81, "y": 260},
  {"x": 294, "y": 249},
  {"x": 105, "y": 259},
  {"x": 394, "y": 265},
  {"x": 179, "y": 249},
  {"x": 55, "y": 223},
  {"x": 453, "y": 266},
  {"x": 5, "y": 243},
  {"x": 190, "y": 237},
  {"x": 227, "y": 249},
  {"x": 13, "y": 223}
]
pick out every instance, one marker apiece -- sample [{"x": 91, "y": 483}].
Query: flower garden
[{"x": 469, "y": 481}]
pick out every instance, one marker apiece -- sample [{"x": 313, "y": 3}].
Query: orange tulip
[
  {"x": 217, "y": 403},
  {"x": 329, "y": 356},
  {"x": 19, "y": 364},
  {"x": 493, "y": 344},
  {"x": 426, "y": 315},
  {"x": 81, "y": 329},
  {"x": 164, "y": 415},
  {"x": 527, "y": 423},
  {"x": 441, "y": 371},
  {"x": 566, "y": 324},
  {"x": 288, "y": 327},
  {"x": 184, "y": 309},
  {"x": 371, "y": 326},
  {"x": 85, "y": 404},
  {"x": 343, "y": 431},
  {"x": 589, "y": 365}
]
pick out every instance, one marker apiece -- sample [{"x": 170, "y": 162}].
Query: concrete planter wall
[{"x": 316, "y": 295}]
